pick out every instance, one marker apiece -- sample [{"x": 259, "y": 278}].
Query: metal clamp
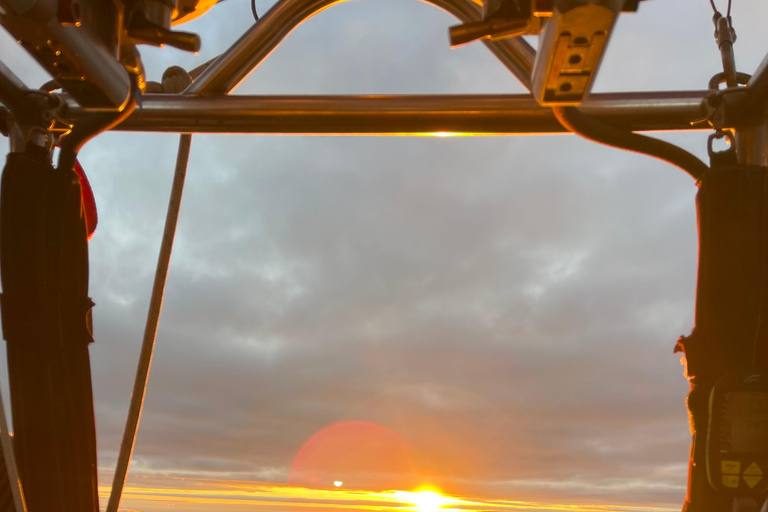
[
  {"x": 721, "y": 78},
  {"x": 715, "y": 106},
  {"x": 721, "y": 158}
]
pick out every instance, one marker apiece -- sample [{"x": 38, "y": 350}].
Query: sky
[{"x": 489, "y": 317}]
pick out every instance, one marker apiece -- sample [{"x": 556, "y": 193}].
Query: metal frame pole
[
  {"x": 400, "y": 115},
  {"x": 229, "y": 69},
  {"x": 752, "y": 139},
  {"x": 13, "y": 94}
]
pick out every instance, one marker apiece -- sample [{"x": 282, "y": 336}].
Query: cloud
[{"x": 507, "y": 305}]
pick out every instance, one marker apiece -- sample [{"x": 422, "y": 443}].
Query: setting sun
[{"x": 424, "y": 501}]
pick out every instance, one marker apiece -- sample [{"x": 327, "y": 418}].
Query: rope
[{"x": 153, "y": 320}]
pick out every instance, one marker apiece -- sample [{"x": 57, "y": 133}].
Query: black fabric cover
[
  {"x": 46, "y": 323},
  {"x": 731, "y": 324},
  {"x": 731, "y": 296}
]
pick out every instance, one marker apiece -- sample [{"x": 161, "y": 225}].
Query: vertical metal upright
[{"x": 731, "y": 322}]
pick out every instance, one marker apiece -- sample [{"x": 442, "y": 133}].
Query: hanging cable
[
  {"x": 253, "y": 10},
  {"x": 592, "y": 129},
  {"x": 153, "y": 320},
  {"x": 714, "y": 8},
  {"x": 85, "y": 130},
  {"x": 725, "y": 36}
]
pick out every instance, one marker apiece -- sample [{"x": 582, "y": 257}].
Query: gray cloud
[{"x": 507, "y": 305}]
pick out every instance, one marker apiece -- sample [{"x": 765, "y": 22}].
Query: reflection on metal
[
  {"x": 380, "y": 115},
  {"x": 79, "y": 60},
  {"x": 571, "y": 46},
  {"x": 726, "y": 36},
  {"x": 757, "y": 87},
  {"x": 13, "y": 92},
  {"x": 752, "y": 145},
  {"x": 8, "y": 470},
  {"x": 15, "y": 133},
  {"x": 226, "y": 72}
]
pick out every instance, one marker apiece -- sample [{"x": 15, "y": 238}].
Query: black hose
[
  {"x": 592, "y": 129},
  {"x": 88, "y": 128}
]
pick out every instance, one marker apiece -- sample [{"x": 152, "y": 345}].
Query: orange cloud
[{"x": 208, "y": 495}]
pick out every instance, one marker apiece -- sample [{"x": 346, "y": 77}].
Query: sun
[{"x": 424, "y": 501}]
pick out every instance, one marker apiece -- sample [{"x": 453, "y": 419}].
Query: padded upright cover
[{"x": 46, "y": 324}]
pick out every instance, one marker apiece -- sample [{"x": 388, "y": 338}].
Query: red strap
[{"x": 89, "y": 202}]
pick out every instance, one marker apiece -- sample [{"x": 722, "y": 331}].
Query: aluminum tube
[
  {"x": 13, "y": 92},
  {"x": 752, "y": 145},
  {"x": 752, "y": 140},
  {"x": 399, "y": 115},
  {"x": 102, "y": 70},
  {"x": 234, "y": 65},
  {"x": 514, "y": 53},
  {"x": 16, "y": 137},
  {"x": 757, "y": 87},
  {"x": 10, "y": 78},
  {"x": 106, "y": 84},
  {"x": 19, "y": 106}
]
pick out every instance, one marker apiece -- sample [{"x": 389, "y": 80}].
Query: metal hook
[{"x": 721, "y": 158}]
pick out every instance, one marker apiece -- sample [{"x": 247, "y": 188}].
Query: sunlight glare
[
  {"x": 423, "y": 501},
  {"x": 338, "y": 483}
]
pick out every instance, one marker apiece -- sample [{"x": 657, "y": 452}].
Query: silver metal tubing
[
  {"x": 16, "y": 136},
  {"x": 10, "y": 78},
  {"x": 227, "y": 71},
  {"x": 399, "y": 115},
  {"x": 757, "y": 87},
  {"x": 13, "y": 92},
  {"x": 752, "y": 145},
  {"x": 93, "y": 74}
]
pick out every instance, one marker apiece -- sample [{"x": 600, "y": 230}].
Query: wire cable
[
  {"x": 714, "y": 8},
  {"x": 253, "y": 10},
  {"x": 597, "y": 131},
  {"x": 153, "y": 320}
]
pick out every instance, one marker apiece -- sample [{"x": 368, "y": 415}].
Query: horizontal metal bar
[
  {"x": 399, "y": 115},
  {"x": 227, "y": 71}
]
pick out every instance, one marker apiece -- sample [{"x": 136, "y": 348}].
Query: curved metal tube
[{"x": 234, "y": 65}]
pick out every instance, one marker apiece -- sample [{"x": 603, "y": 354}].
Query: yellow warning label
[
  {"x": 730, "y": 467},
  {"x": 753, "y": 469},
  {"x": 752, "y": 480},
  {"x": 731, "y": 481}
]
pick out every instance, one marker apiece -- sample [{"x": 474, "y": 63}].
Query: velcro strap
[{"x": 25, "y": 322}]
